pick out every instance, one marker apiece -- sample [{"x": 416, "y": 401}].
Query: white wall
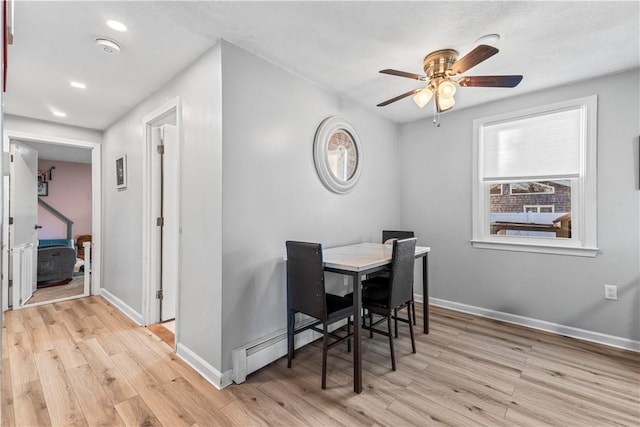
[
  {"x": 198, "y": 88},
  {"x": 41, "y": 127},
  {"x": 271, "y": 192},
  {"x": 436, "y": 203}
]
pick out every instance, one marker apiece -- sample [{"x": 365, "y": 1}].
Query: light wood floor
[{"x": 82, "y": 362}]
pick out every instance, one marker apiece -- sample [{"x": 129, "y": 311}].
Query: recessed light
[
  {"x": 78, "y": 85},
  {"x": 59, "y": 114},
  {"x": 116, "y": 25},
  {"x": 489, "y": 39},
  {"x": 108, "y": 46}
]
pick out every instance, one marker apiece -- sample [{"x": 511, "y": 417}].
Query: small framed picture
[
  {"x": 43, "y": 188},
  {"x": 121, "y": 172}
]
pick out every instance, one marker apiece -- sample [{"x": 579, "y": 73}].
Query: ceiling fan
[{"x": 440, "y": 66}]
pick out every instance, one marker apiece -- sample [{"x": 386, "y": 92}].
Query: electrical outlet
[{"x": 611, "y": 292}]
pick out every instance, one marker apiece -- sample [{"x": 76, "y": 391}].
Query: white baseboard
[
  {"x": 208, "y": 372},
  {"x": 543, "y": 325},
  {"x": 259, "y": 353},
  {"x": 122, "y": 306}
]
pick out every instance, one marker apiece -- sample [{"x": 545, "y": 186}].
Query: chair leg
[
  {"x": 324, "y": 356},
  {"x": 349, "y": 333},
  {"x": 395, "y": 314},
  {"x": 411, "y": 308},
  {"x": 290, "y": 327},
  {"x": 370, "y": 325},
  {"x": 393, "y": 353}
]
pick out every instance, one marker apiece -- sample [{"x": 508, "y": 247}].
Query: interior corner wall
[
  {"x": 199, "y": 92},
  {"x": 271, "y": 192},
  {"x": 566, "y": 290}
]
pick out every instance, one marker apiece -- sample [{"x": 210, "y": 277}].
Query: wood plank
[
  {"x": 66, "y": 347},
  {"x": 134, "y": 412},
  {"x": 467, "y": 405},
  {"x": 94, "y": 402},
  {"x": 30, "y": 405},
  {"x": 7, "y": 414},
  {"x": 136, "y": 343},
  {"x": 36, "y": 330},
  {"x": 168, "y": 411},
  {"x": 13, "y": 321},
  {"x": 23, "y": 367},
  {"x": 58, "y": 392},
  {"x": 109, "y": 376},
  {"x": 163, "y": 333},
  {"x": 304, "y": 382},
  {"x": 195, "y": 404},
  {"x": 134, "y": 372}
]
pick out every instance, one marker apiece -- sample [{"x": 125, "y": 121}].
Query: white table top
[{"x": 362, "y": 256}]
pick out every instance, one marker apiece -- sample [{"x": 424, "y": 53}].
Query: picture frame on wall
[
  {"x": 43, "y": 188},
  {"x": 121, "y": 172}
]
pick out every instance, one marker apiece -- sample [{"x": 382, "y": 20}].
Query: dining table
[{"x": 358, "y": 260}]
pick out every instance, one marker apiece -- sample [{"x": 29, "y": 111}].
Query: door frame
[
  {"x": 150, "y": 312},
  {"x": 96, "y": 204}
]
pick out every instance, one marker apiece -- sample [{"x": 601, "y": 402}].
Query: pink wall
[{"x": 69, "y": 193}]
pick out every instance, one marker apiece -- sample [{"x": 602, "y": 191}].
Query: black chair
[
  {"x": 306, "y": 294},
  {"x": 396, "y": 234},
  {"x": 387, "y": 236},
  {"x": 385, "y": 295}
]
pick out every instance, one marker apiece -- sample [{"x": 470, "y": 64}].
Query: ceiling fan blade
[
  {"x": 471, "y": 59},
  {"x": 490, "y": 81},
  {"x": 399, "y": 97},
  {"x": 403, "y": 74}
]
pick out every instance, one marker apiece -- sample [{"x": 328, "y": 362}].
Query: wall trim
[
  {"x": 96, "y": 204},
  {"x": 570, "y": 331},
  {"x": 208, "y": 372},
  {"x": 121, "y": 305}
]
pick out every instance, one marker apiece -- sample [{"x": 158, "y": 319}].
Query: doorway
[
  {"x": 161, "y": 225},
  {"x": 64, "y": 150}
]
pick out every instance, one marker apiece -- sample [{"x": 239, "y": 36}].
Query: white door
[
  {"x": 166, "y": 172},
  {"x": 23, "y": 209}
]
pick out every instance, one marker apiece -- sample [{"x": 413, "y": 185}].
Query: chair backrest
[
  {"x": 396, "y": 234},
  {"x": 402, "y": 262},
  {"x": 305, "y": 279}
]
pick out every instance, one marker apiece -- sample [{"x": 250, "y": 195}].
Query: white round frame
[{"x": 321, "y": 159}]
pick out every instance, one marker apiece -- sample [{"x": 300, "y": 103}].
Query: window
[
  {"x": 539, "y": 208},
  {"x": 534, "y": 179}
]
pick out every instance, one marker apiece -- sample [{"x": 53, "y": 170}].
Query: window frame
[
  {"x": 524, "y": 208},
  {"x": 583, "y": 204}
]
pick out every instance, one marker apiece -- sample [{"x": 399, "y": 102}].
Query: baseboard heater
[{"x": 265, "y": 350}]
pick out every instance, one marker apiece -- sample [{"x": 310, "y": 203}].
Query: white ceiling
[{"x": 339, "y": 45}]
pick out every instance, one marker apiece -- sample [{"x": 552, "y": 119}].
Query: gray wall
[
  {"x": 271, "y": 192},
  {"x": 199, "y": 90},
  {"x": 435, "y": 173}
]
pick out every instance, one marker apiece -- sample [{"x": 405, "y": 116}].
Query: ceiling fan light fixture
[
  {"x": 446, "y": 89},
  {"x": 423, "y": 97},
  {"x": 444, "y": 103}
]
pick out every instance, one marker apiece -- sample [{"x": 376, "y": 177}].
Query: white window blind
[{"x": 544, "y": 146}]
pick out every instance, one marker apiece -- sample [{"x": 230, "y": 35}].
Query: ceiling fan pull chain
[{"x": 436, "y": 116}]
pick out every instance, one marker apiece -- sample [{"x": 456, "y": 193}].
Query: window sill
[{"x": 535, "y": 248}]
